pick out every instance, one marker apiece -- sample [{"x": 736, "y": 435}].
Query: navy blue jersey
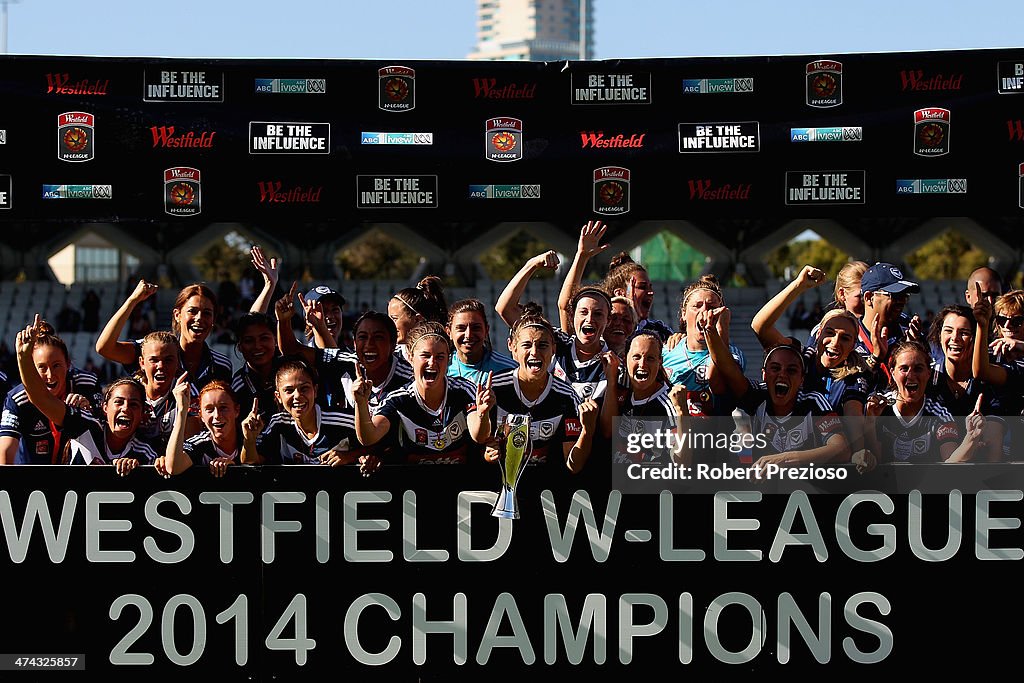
[
  {"x": 853, "y": 387},
  {"x": 40, "y": 442},
  {"x": 248, "y": 386},
  {"x": 636, "y": 418},
  {"x": 425, "y": 436},
  {"x": 810, "y": 425},
  {"x": 337, "y": 370},
  {"x": 158, "y": 417},
  {"x": 4, "y": 384},
  {"x": 586, "y": 376},
  {"x": 282, "y": 442},
  {"x": 87, "y": 443},
  {"x": 212, "y": 365},
  {"x": 201, "y": 449},
  {"x": 554, "y": 415},
  {"x": 918, "y": 438}
]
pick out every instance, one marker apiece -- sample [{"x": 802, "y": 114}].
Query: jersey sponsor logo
[
  {"x": 947, "y": 431},
  {"x": 421, "y": 435},
  {"x": 573, "y": 427}
]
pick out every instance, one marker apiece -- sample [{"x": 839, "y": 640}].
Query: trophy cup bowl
[{"x": 517, "y": 447}]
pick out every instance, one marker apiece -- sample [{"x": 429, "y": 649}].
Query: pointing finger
[{"x": 977, "y": 405}]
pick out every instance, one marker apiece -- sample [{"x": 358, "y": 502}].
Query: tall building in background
[{"x": 537, "y": 30}]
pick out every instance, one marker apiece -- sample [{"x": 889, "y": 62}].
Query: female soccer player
[
  {"x": 468, "y": 329},
  {"x": 218, "y": 445},
  {"x": 558, "y": 416}
]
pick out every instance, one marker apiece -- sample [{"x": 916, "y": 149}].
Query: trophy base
[{"x": 506, "y": 506}]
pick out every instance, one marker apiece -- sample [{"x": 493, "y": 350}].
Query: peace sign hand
[{"x": 485, "y": 398}]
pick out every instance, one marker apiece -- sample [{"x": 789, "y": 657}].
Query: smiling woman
[{"x": 191, "y": 322}]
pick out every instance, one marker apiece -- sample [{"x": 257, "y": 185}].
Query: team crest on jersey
[
  {"x": 455, "y": 430},
  {"x": 182, "y": 191},
  {"x": 931, "y": 132},
  {"x": 397, "y": 88},
  {"x": 503, "y": 139},
  {"x": 545, "y": 429},
  {"x": 701, "y": 372},
  {"x": 75, "y": 136}
]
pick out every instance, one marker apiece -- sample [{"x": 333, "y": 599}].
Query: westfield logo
[
  {"x": 705, "y": 190},
  {"x": 598, "y": 139}
]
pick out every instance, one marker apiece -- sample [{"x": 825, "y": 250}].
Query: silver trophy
[{"x": 517, "y": 446}]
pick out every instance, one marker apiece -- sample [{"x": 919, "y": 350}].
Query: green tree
[
  {"x": 378, "y": 257},
  {"x": 504, "y": 260},
  {"x": 947, "y": 257},
  {"x": 799, "y": 253}
]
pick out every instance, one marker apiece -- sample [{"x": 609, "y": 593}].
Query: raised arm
[
  {"x": 175, "y": 460},
  {"x": 588, "y": 247},
  {"x": 284, "y": 309},
  {"x": 577, "y": 454},
  {"x": 49, "y": 405},
  {"x": 270, "y": 270},
  {"x": 764, "y": 321},
  {"x": 478, "y": 422},
  {"x": 508, "y": 307},
  {"x": 252, "y": 425},
  {"x": 369, "y": 428},
  {"x": 313, "y": 311},
  {"x": 610, "y": 408},
  {"x": 107, "y": 344},
  {"x": 980, "y": 365},
  {"x": 725, "y": 364}
]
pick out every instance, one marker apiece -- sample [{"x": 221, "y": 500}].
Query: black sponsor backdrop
[
  {"x": 66, "y": 607},
  {"x": 878, "y": 95}
]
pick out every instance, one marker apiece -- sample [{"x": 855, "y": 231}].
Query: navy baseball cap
[
  {"x": 323, "y": 293},
  {"x": 885, "y": 277}
]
